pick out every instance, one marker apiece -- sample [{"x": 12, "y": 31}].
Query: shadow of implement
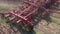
[{"x": 20, "y": 29}]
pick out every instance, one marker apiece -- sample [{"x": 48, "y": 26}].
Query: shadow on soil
[{"x": 20, "y": 30}]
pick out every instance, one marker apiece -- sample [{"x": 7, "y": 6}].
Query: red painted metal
[{"x": 24, "y": 17}]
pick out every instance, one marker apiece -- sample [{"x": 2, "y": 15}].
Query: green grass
[
  {"x": 3, "y": 21},
  {"x": 56, "y": 26},
  {"x": 6, "y": 7},
  {"x": 55, "y": 20},
  {"x": 2, "y": 8},
  {"x": 57, "y": 23}
]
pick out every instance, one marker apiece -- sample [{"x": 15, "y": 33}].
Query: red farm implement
[{"x": 21, "y": 16}]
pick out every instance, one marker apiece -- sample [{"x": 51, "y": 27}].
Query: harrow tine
[
  {"x": 12, "y": 18},
  {"x": 18, "y": 21},
  {"x": 7, "y": 15}
]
